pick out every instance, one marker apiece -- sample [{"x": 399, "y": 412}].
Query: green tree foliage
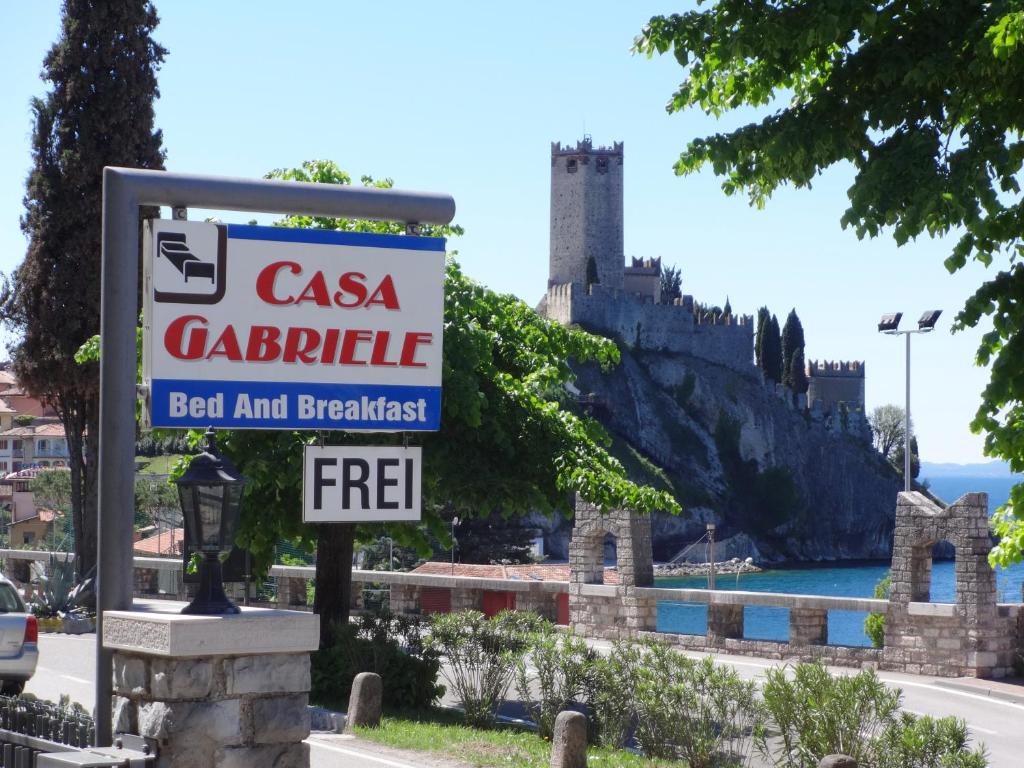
[
  {"x": 493, "y": 539},
  {"x": 505, "y": 441},
  {"x": 923, "y": 98},
  {"x": 727, "y": 309},
  {"x": 898, "y": 460},
  {"x": 888, "y": 428},
  {"x": 99, "y": 111},
  {"x": 798, "y": 372},
  {"x": 792, "y": 340},
  {"x": 671, "y": 284},
  {"x": 771, "y": 350},
  {"x": 156, "y": 501},
  {"x": 763, "y": 316}
]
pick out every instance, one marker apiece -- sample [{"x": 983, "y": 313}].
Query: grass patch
[
  {"x": 443, "y": 732},
  {"x": 158, "y": 465}
]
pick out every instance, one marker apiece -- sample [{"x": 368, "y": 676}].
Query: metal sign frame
[{"x": 125, "y": 190}]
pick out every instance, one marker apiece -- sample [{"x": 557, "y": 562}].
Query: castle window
[
  {"x": 602, "y": 165},
  {"x": 570, "y": 165}
]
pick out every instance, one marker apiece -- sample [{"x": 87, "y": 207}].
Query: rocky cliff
[{"x": 781, "y": 485}]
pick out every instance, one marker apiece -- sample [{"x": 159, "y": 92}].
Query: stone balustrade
[{"x": 974, "y": 636}]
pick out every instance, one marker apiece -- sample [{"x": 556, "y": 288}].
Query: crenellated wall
[{"x": 724, "y": 339}]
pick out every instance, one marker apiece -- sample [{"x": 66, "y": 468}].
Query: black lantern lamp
[{"x": 211, "y": 499}]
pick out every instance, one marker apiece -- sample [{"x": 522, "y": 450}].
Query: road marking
[
  {"x": 66, "y": 677},
  {"x": 363, "y": 755},
  {"x": 965, "y": 694}
]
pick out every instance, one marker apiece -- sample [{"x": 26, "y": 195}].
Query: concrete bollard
[
  {"x": 364, "y": 702},
  {"x": 837, "y": 761},
  {"x": 569, "y": 743}
]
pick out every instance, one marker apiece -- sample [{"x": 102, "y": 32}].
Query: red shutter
[
  {"x": 435, "y": 600},
  {"x": 563, "y": 609},
  {"x": 496, "y": 602}
]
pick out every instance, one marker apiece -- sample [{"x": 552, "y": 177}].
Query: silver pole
[
  {"x": 711, "y": 555},
  {"x": 118, "y": 317},
  {"x": 124, "y": 190},
  {"x": 906, "y": 426}
]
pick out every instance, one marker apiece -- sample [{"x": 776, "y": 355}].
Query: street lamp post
[
  {"x": 211, "y": 496},
  {"x": 455, "y": 524},
  {"x": 890, "y": 324}
]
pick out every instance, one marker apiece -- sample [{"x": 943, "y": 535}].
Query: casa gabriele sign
[{"x": 277, "y": 328}]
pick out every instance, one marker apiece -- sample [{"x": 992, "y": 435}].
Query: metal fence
[{"x": 29, "y": 728}]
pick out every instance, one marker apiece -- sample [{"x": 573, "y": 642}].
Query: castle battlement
[
  {"x": 846, "y": 369},
  {"x": 585, "y": 148}
]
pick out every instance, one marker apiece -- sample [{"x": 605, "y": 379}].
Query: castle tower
[
  {"x": 586, "y": 214},
  {"x": 833, "y": 382}
]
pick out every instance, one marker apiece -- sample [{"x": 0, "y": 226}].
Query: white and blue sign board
[
  {"x": 349, "y": 484},
  {"x": 250, "y": 327}
]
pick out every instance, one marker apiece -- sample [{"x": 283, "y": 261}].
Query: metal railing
[{"x": 29, "y": 728}]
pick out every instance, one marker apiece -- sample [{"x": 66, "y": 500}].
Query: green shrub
[
  {"x": 610, "y": 694},
  {"x": 482, "y": 655},
  {"x": 562, "y": 664},
  {"x": 874, "y": 624},
  {"x": 924, "y": 742},
  {"x": 387, "y": 645},
  {"x": 696, "y": 710},
  {"x": 814, "y": 714}
]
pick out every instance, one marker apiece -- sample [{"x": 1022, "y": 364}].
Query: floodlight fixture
[
  {"x": 928, "y": 320},
  {"x": 890, "y": 323}
]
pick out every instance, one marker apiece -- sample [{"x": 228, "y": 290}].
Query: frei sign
[
  {"x": 361, "y": 484},
  {"x": 275, "y": 328}
]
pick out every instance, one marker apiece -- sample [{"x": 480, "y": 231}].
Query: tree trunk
[{"x": 334, "y": 546}]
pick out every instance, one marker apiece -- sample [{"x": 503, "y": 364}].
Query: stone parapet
[{"x": 214, "y": 690}]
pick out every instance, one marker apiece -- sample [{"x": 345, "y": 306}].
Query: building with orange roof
[{"x": 43, "y": 446}]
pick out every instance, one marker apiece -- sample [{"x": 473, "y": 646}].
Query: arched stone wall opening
[
  {"x": 968, "y": 637},
  {"x": 610, "y": 610}
]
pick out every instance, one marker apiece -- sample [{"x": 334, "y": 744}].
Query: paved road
[{"x": 67, "y": 666}]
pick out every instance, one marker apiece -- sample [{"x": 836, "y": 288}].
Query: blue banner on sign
[{"x": 184, "y": 404}]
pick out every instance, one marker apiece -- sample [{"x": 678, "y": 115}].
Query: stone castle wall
[
  {"x": 586, "y": 213},
  {"x": 830, "y": 383},
  {"x": 729, "y": 341}
]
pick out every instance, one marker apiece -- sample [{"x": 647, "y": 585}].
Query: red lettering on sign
[
  {"x": 268, "y": 277},
  {"x": 226, "y": 345},
  {"x": 348, "y": 346},
  {"x": 351, "y": 282},
  {"x": 384, "y": 295},
  {"x": 263, "y": 346},
  {"x": 380, "y": 349},
  {"x": 175, "y": 336},
  {"x": 300, "y": 345},
  {"x": 412, "y": 341}
]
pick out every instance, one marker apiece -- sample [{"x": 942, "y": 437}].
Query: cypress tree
[
  {"x": 792, "y": 340},
  {"x": 762, "y": 318},
  {"x": 727, "y": 309},
  {"x": 772, "y": 352},
  {"x": 798, "y": 372},
  {"x": 99, "y": 111}
]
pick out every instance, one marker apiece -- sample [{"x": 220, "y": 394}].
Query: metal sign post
[{"x": 125, "y": 190}]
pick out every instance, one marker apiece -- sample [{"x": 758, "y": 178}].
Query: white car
[{"x": 19, "y": 641}]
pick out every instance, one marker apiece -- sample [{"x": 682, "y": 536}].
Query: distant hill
[{"x": 994, "y": 469}]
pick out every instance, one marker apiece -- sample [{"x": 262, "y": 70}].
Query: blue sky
[{"x": 461, "y": 98}]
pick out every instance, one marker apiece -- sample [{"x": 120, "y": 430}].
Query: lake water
[{"x": 852, "y": 580}]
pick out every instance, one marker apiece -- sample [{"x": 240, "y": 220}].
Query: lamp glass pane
[{"x": 210, "y": 499}]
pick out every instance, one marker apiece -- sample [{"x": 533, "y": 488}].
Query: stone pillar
[
  {"x": 290, "y": 591},
  {"x": 967, "y": 638},
  {"x": 627, "y": 611},
  {"x": 808, "y": 626},
  {"x": 230, "y": 691},
  {"x": 725, "y": 622}
]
